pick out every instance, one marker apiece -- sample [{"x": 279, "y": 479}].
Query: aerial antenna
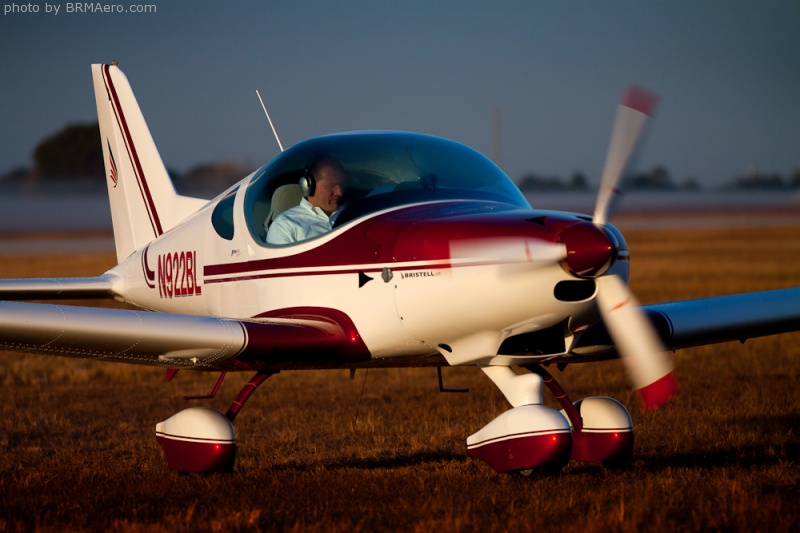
[
  {"x": 275, "y": 133},
  {"x": 497, "y": 136}
]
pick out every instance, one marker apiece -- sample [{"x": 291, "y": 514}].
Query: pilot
[{"x": 323, "y": 184}]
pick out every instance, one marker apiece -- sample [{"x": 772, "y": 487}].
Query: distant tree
[
  {"x": 578, "y": 182},
  {"x": 540, "y": 183},
  {"x": 657, "y": 179},
  {"x": 73, "y": 152},
  {"x": 224, "y": 172},
  {"x": 661, "y": 178},
  {"x": 15, "y": 175},
  {"x": 211, "y": 178},
  {"x": 756, "y": 181},
  {"x": 535, "y": 182},
  {"x": 794, "y": 178},
  {"x": 691, "y": 184}
]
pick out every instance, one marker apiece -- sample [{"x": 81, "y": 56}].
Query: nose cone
[{"x": 590, "y": 250}]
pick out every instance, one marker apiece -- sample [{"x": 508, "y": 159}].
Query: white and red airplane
[{"x": 436, "y": 259}]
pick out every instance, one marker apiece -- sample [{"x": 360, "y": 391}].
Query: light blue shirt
[{"x": 300, "y": 223}]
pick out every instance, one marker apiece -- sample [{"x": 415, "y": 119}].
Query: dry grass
[{"x": 79, "y": 450}]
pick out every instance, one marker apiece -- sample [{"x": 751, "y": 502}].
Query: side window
[{"x": 222, "y": 216}]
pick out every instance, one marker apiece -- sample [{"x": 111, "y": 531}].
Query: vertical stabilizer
[{"x": 144, "y": 204}]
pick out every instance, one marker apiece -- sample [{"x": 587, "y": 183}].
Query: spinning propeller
[
  {"x": 587, "y": 249},
  {"x": 649, "y": 365}
]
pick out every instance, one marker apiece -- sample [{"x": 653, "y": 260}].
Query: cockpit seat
[{"x": 285, "y": 197}]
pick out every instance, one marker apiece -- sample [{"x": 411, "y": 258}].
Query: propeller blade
[
  {"x": 636, "y": 107},
  {"x": 509, "y": 250},
  {"x": 649, "y": 365}
]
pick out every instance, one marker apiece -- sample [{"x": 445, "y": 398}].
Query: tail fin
[{"x": 144, "y": 204}]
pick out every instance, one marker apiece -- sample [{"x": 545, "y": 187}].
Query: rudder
[{"x": 144, "y": 203}]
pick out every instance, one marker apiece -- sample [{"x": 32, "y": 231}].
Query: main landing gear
[
  {"x": 532, "y": 435},
  {"x": 202, "y": 440},
  {"x": 528, "y": 436}
]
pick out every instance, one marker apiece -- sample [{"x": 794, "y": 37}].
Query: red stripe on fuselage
[
  {"x": 415, "y": 238},
  {"x": 346, "y": 250},
  {"x": 141, "y": 179},
  {"x": 333, "y": 271}
]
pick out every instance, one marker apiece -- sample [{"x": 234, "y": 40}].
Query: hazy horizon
[{"x": 727, "y": 73}]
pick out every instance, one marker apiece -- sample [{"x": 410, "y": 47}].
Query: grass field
[{"x": 79, "y": 451}]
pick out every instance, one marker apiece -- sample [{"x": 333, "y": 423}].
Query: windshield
[{"x": 382, "y": 169}]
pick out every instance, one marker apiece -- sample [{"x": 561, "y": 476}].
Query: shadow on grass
[
  {"x": 388, "y": 462},
  {"x": 779, "y": 441},
  {"x": 740, "y": 457}
]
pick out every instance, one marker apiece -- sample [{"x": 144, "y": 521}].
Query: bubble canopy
[{"x": 383, "y": 170}]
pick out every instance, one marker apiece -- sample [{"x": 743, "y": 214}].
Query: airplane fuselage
[
  {"x": 432, "y": 256},
  {"x": 404, "y": 277}
]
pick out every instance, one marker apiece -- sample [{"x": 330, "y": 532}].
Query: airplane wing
[
  {"x": 309, "y": 341},
  {"x": 727, "y": 318},
  {"x": 177, "y": 341},
  {"x": 688, "y": 323}
]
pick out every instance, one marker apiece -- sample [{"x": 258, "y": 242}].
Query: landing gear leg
[
  {"x": 202, "y": 440},
  {"x": 530, "y": 435},
  {"x": 245, "y": 393},
  {"x": 602, "y": 429}
]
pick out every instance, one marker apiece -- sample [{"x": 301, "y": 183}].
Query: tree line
[{"x": 74, "y": 154}]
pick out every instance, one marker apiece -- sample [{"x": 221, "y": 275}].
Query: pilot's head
[{"x": 327, "y": 178}]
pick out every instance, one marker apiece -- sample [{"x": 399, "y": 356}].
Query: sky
[{"x": 728, "y": 73}]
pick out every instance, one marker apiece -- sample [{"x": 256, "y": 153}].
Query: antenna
[
  {"x": 275, "y": 133},
  {"x": 497, "y": 136}
]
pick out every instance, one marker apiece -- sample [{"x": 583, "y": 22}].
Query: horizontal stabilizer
[{"x": 56, "y": 288}]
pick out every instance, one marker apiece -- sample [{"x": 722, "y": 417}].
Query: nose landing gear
[{"x": 531, "y": 435}]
